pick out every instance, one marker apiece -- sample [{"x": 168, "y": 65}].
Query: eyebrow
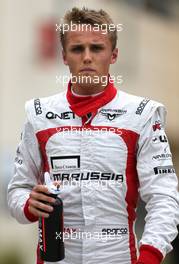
[{"x": 92, "y": 44}]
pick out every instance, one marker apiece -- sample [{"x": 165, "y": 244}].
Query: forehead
[{"x": 86, "y": 36}]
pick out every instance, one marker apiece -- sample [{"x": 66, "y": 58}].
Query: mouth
[{"x": 87, "y": 70}]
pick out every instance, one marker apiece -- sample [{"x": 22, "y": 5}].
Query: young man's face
[{"x": 88, "y": 53}]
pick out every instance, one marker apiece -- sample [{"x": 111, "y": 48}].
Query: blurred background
[{"x": 30, "y": 66}]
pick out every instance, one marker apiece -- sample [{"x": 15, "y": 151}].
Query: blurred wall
[{"x": 148, "y": 62}]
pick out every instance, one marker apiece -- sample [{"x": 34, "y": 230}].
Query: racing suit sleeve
[
  {"x": 158, "y": 189},
  {"x": 27, "y": 168}
]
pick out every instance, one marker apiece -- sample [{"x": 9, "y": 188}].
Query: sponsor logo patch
[
  {"x": 115, "y": 231},
  {"x": 37, "y": 106},
  {"x": 18, "y": 160},
  {"x": 164, "y": 169},
  {"x": 85, "y": 176},
  {"x": 64, "y": 115},
  {"x": 65, "y": 162},
  {"x": 157, "y": 125},
  {"x": 163, "y": 156},
  {"x": 111, "y": 114},
  {"x": 159, "y": 139},
  {"x": 141, "y": 106}
]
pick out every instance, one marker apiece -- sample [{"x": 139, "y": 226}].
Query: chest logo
[
  {"x": 112, "y": 114},
  {"x": 65, "y": 162},
  {"x": 64, "y": 115}
]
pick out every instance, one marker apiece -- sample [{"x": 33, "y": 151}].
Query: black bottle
[{"x": 51, "y": 243}]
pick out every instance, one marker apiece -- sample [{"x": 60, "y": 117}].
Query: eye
[
  {"x": 77, "y": 49},
  {"x": 97, "y": 48}
]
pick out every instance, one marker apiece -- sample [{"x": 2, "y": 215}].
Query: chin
[{"x": 87, "y": 85}]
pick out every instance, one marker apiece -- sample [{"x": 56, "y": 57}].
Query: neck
[
  {"x": 85, "y": 95},
  {"x": 88, "y": 90}
]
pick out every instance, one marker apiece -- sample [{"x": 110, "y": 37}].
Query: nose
[{"x": 87, "y": 56}]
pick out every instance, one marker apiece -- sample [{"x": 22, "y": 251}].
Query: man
[{"x": 111, "y": 143}]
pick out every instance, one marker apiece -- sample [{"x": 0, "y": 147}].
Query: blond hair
[{"x": 89, "y": 17}]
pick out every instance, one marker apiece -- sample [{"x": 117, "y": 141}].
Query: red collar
[{"x": 89, "y": 104}]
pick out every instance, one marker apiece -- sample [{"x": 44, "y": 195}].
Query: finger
[
  {"x": 41, "y": 197},
  {"x": 40, "y": 206},
  {"x": 38, "y": 213},
  {"x": 41, "y": 188}
]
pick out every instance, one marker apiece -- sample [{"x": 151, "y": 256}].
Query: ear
[
  {"x": 64, "y": 57},
  {"x": 114, "y": 55}
]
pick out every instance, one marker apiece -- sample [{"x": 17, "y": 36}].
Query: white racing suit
[{"x": 102, "y": 161}]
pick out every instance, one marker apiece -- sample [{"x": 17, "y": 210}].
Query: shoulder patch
[
  {"x": 141, "y": 106},
  {"x": 37, "y": 106}
]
